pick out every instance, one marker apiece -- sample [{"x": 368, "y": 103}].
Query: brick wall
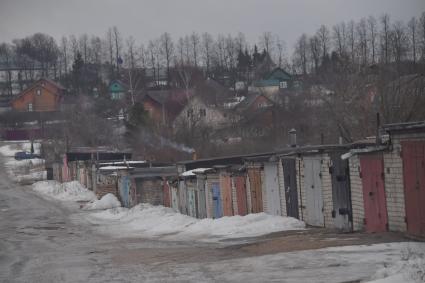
[
  {"x": 327, "y": 191},
  {"x": 150, "y": 191},
  {"x": 300, "y": 187},
  {"x": 281, "y": 188},
  {"x": 394, "y": 186},
  {"x": 356, "y": 193},
  {"x": 234, "y": 198},
  {"x": 248, "y": 194},
  {"x": 263, "y": 190}
]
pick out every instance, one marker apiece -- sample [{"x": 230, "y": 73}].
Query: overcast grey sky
[{"x": 148, "y": 19}]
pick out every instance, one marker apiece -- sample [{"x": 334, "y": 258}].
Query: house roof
[
  {"x": 40, "y": 83},
  {"x": 274, "y": 78},
  {"x": 405, "y": 127},
  {"x": 249, "y": 100},
  {"x": 173, "y": 100},
  {"x": 117, "y": 86},
  {"x": 279, "y": 74}
]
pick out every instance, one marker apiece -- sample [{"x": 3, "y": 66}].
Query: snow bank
[
  {"x": 409, "y": 269},
  {"x": 8, "y": 150},
  {"x": 106, "y": 202},
  {"x": 26, "y": 171},
  {"x": 158, "y": 221},
  {"x": 70, "y": 191}
]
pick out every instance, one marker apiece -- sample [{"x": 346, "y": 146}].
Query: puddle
[{"x": 47, "y": 228}]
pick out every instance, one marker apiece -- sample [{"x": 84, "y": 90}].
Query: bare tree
[
  {"x": 83, "y": 46},
  {"x": 6, "y": 57},
  {"x": 421, "y": 38},
  {"x": 315, "y": 52},
  {"x": 301, "y": 53},
  {"x": 167, "y": 51},
  {"x": 280, "y": 51},
  {"x": 64, "y": 54},
  {"x": 398, "y": 41},
  {"x": 323, "y": 35},
  {"x": 385, "y": 38},
  {"x": 266, "y": 42},
  {"x": 195, "y": 41},
  {"x": 372, "y": 35},
  {"x": 361, "y": 29},
  {"x": 412, "y": 26},
  {"x": 351, "y": 37},
  {"x": 207, "y": 49},
  {"x": 340, "y": 39},
  {"x": 118, "y": 45}
]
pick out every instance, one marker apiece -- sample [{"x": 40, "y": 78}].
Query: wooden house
[
  {"x": 164, "y": 105},
  {"x": 117, "y": 90},
  {"x": 277, "y": 79},
  {"x": 42, "y": 96},
  {"x": 199, "y": 112}
]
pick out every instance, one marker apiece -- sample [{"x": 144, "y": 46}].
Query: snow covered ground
[
  {"x": 108, "y": 201},
  {"x": 339, "y": 264},
  {"x": 69, "y": 191},
  {"x": 23, "y": 171},
  {"x": 149, "y": 221}
]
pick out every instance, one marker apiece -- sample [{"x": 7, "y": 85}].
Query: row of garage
[
  {"x": 365, "y": 185},
  {"x": 360, "y": 186}
]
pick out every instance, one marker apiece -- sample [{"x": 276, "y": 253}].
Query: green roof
[
  {"x": 115, "y": 87},
  {"x": 279, "y": 74},
  {"x": 264, "y": 83}
]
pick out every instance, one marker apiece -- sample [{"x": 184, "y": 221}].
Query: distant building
[
  {"x": 117, "y": 90},
  {"x": 164, "y": 105},
  {"x": 42, "y": 96},
  {"x": 278, "y": 79}
]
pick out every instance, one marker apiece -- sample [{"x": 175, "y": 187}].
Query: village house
[
  {"x": 199, "y": 111},
  {"x": 42, "y": 96},
  {"x": 117, "y": 90},
  {"x": 164, "y": 105},
  {"x": 276, "y": 80}
]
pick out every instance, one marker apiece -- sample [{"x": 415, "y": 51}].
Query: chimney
[
  {"x": 194, "y": 157},
  {"x": 378, "y": 125},
  {"x": 293, "y": 137}
]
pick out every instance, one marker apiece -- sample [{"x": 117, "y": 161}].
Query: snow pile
[
  {"x": 106, "y": 202},
  {"x": 409, "y": 269},
  {"x": 158, "y": 221},
  {"x": 70, "y": 191},
  {"x": 26, "y": 171},
  {"x": 8, "y": 150}
]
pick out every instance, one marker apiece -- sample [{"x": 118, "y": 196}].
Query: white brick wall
[
  {"x": 356, "y": 193},
  {"x": 281, "y": 188},
  {"x": 234, "y": 198},
  {"x": 248, "y": 194},
  {"x": 394, "y": 186},
  {"x": 300, "y": 187},
  {"x": 263, "y": 190},
  {"x": 327, "y": 191}
]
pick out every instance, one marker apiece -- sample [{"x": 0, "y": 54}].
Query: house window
[
  {"x": 38, "y": 91},
  {"x": 189, "y": 113},
  {"x": 30, "y": 107},
  {"x": 202, "y": 112},
  {"x": 283, "y": 84}
]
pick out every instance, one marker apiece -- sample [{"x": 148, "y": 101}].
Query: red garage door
[
  {"x": 414, "y": 186},
  {"x": 375, "y": 208}
]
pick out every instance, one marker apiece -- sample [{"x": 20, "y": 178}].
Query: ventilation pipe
[
  {"x": 293, "y": 137},
  {"x": 378, "y": 125}
]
